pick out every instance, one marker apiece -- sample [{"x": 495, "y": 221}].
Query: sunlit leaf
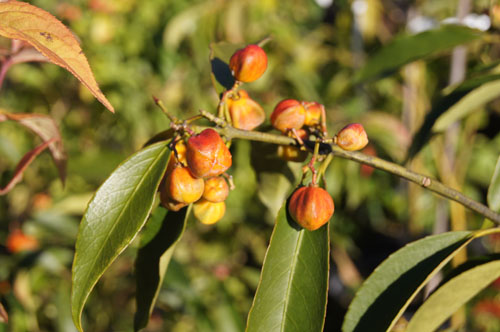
[
  {"x": 293, "y": 286},
  {"x": 494, "y": 189},
  {"x": 161, "y": 234},
  {"x": 452, "y": 295},
  {"x": 444, "y": 104},
  {"x": 23, "y": 164},
  {"x": 20, "y": 20},
  {"x": 468, "y": 104},
  {"x": 406, "y": 49},
  {"x": 46, "y": 128},
  {"x": 113, "y": 218},
  {"x": 385, "y": 295}
]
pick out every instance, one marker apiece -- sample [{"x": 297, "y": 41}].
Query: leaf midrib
[
  {"x": 127, "y": 203},
  {"x": 290, "y": 278}
]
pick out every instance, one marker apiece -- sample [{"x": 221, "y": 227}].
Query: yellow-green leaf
[{"x": 20, "y": 20}]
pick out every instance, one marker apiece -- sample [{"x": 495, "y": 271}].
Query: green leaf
[
  {"x": 384, "y": 296},
  {"x": 158, "y": 243},
  {"x": 445, "y": 103},
  {"x": 452, "y": 295},
  {"x": 406, "y": 49},
  {"x": 494, "y": 189},
  {"x": 468, "y": 104},
  {"x": 292, "y": 292},
  {"x": 113, "y": 218},
  {"x": 220, "y": 53}
]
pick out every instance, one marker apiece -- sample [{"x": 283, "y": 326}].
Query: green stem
[{"x": 420, "y": 179}]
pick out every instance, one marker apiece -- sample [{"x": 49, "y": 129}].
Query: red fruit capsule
[
  {"x": 288, "y": 114},
  {"x": 311, "y": 207},
  {"x": 207, "y": 155},
  {"x": 352, "y": 137},
  {"x": 245, "y": 112},
  {"x": 248, "y": 64}
]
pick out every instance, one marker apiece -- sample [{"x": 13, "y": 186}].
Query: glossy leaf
[
  {"x": 46, "y": 128},
  {"x": 113, "y": 218},
  {"x": 385, "y": 295},
  {"x": 445, "y": 103},
  {"x": 452, "y": 295},
  {"x": 494, "y": 189},
  {"x": 161, "y": 234},
  {"x": 292, "y": 292},
  {"x": 20, "y": 20},
  {"x": 406, "y": 49},
  {"x": 23, "y": 164}
]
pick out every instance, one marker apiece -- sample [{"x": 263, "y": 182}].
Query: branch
[{"x": 422, "y": 180}]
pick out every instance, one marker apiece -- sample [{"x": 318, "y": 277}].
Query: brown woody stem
[{"x": 420, "y": 179}]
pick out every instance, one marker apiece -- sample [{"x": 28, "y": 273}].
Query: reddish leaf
[
  {"x": 23, "y": 164},
  {"x": 45, "y": 127},
  {"x": 20, "y": 20}
]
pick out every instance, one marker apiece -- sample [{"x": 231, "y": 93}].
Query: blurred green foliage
[{"x": 142, "y": 48}]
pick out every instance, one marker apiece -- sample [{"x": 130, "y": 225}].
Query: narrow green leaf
[
  {"x": 113, "y": 218},
  {"x": 452, "y": 295},
  {"x": 494, "y": 189},
  {"x": 461, "y": 92},
  {"x": 468, "y": 104},
  {"x": 292, "y": 291},
  {"x": 406, "y": 49},
  {"x": 384, "y": 296},
  {"x": 158, "y": 242}
]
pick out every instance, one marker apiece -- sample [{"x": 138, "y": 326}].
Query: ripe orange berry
[
  {"x": 180, "y": 147},
  {"x": 288, "y": 114},
  {"x": 182, "y": 186},
  {"x": 216, "y": 189},
  {"x": 313, "y": 113},
  {"x": 352, "y": 137},
  {"x": 17, "y": 242},
  {"x": 248, "y": 64},
  {"x": 208, "y": 212},
  {"x": 207, "y": 155},
  {"x": 246, "y": 113},
  {"x": 311, "y": 207}
]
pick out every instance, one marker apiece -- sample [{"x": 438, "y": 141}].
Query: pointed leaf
[
  {"x": 46, "y": 128},
  {"x": 406, "y": 49},
  {"x": 113, "y": 218},
  {"x": 494, "y": 189},
  {"x": 292, "y": 292},
  {"x": 468, "y": 104},
  {"x": 20, "y": 20},
  {"x": 158, "y": 243},
  {"x": 23, "y": 164},
  {"x": 445, "y": 103},
  {"x": 384, "y": 296},
  {"x": 452, "y": 295}
]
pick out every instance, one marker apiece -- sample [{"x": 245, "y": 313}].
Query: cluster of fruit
[{"x": 195, "y": 173}]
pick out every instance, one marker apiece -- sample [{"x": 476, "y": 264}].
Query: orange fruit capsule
[
  {"x": 207, "y": 155},
  {"x": 248, "y": 64},
  {"x": 288, "y": 114},
  {"x": 311, "y": 207},
  {"x": 182, "y": 186},
  {"x": 245, "y": 112},
  {"x": 352, "y": 137},
  {"x": 216, "y": 189},
  {"x": 207, "y": 212}
]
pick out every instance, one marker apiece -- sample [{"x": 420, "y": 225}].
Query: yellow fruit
[{"x": 208, "y": 212}]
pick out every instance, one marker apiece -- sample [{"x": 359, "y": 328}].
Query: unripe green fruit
[
  {"x": 208, "y": 212},
  {"x": 352, "y": 137},
  {"x": 288, "y": 114},
  {"x": 311, "y": 207},
  {"x": 182, "y": 186},
  {"x": 248, "y": 64},
  {"x": 216, "y": 189},
  {"x": 245, "y": 113},
  {"x": 207, "y": 155}
]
